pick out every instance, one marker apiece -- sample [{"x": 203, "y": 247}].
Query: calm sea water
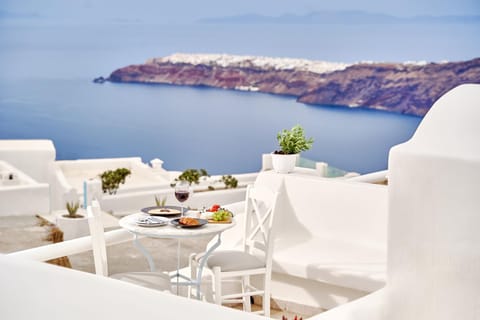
[{"x": 46, "y": 92}]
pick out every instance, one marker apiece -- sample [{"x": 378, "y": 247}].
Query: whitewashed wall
[
  {"x": 20, "y": 194},
  {"x": 434, "y": 214},
  {"x": 36, "y": 290},
  {"x": 33, "y": 157}
]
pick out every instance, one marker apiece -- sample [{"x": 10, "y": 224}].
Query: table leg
[
  {"x": 144, "y": 251},
  {"x": 178, "y": 262},
  {"x": 203, "y": 260}
]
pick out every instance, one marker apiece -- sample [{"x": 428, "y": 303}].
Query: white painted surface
[
  {"x": 70, "y": 247},
  {"x": 434, "y": 206},
  {"x": 284, "y": 163},
  {"x": 434, "y": 203},
  {"x": 122, "y": 204},
  {"x": 143, "y": 176},
  {"x": 330, "y": 241},
  {"x": 170, "y": 231},
  {"x": 33, "y": 157},
  {"x": 22, "y": 195},
  {"x": 35, "y": 290},
  {"x": 72, "y": 227}
]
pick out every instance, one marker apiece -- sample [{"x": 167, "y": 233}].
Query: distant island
[
  {"x": 408, "y": 88},
  {"x": 342, "y": 17}
]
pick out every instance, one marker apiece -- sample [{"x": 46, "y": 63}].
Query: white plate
[{"x": 149, "y": 221}]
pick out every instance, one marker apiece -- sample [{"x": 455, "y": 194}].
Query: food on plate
[
  {"x": 221, "y": 215},
  {"x": 187, "y": 221},
  {"x": 161, "y": 211},
  {"x": 214, "y": 208}
]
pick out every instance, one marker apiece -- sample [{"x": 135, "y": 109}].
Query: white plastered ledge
[{"x": 433, "y": 265}]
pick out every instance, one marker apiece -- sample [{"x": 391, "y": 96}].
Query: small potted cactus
[{"x": 72, "y": 220}]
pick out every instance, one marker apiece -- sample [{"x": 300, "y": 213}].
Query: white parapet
[
  {"x": 33, "y": 157},
  {"x": 434, "y": 204},
  {"x": 20, "y": 194},
  {"x": 35, "y": 290},
  {"x": 433, "y": 266}
]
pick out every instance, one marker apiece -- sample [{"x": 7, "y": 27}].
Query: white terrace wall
[
  {"x": 36, "y": 290},
  {"x": 129, "y": 202},
  {"x": 141, "y": 186},
  {"x": 34, "y": 157},
  {"x": 433, "y": 269},
  {"x": 330, "y": 244},
  {"x": 434, "y": 214},
  {"x": 20, "y": 194},
  {"x": 125, "y": 203}
]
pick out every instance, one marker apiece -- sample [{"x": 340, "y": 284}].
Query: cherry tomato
[{"x": 214, "y": 208}]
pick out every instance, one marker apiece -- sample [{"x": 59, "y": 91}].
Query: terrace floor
[{"x": 18, "y": 233}]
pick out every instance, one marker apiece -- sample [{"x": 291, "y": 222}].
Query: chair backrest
[
  {"x": 98, "y": 238},
  {"x": 260, "y": 208}
]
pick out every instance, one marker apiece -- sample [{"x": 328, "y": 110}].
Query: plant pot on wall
[
  {"x": 284, "y": 163},
  {"x": 73, "y": 227},
  {"x": 291, "y": 143}
]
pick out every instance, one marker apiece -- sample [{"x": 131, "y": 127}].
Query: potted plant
[
  {"x": 72, "y": 210},
  {"x": 111, "y": 179},
  {"x": 160, "y": 203},
  {"x": 71, "y": 222},
  {"x": 291, "y": 143},
  {"x": 191, "y": 176}
]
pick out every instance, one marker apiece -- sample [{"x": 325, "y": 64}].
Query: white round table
[{"x": 170, "y": 231}]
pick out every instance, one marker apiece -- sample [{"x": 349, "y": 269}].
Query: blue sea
[{"x": 46, "y": 92}]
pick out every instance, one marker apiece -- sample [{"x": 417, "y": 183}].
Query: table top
[{"x": 169, "y": 230}]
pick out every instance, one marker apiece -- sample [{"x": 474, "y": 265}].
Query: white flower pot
[
  {"x": 284, "y": 163},
  {"x": 73, "y": 227}
]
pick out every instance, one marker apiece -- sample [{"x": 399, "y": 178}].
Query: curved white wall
[
  {"x": 434, "y": 214},
  {"x": 433, "y": 268}
]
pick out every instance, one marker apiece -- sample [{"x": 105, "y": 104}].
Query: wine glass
[{"x": 182, "y": 191}]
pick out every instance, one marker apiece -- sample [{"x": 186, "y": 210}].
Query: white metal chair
[
  {"x": 153, "y": 280},
  {"x": 253, "y": 258}
]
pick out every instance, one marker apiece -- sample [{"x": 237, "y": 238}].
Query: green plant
[
  {"x": 293, "y": 141},
  {"x": 111, "y": 179},
  {"x": 160, "y": 203},
  {"x": 72, "y": 208},
  {"x": 192, "y": 176},
  {"x": 230, "y": 182}
]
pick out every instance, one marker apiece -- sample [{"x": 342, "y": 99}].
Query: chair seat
[
  {"x": 232, "y": 260},
  {"x": 152, "y": 280}
]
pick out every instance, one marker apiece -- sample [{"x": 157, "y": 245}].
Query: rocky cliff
[{"x": 409, "y": 88}]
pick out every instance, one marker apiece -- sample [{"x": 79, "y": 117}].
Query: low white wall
[
  {"x": 99, "y": 164},
  {"x": 434, "y": 205},
  {"x": 331, "y": 238},
  {"x": 12, "y": 176},
  {"x": 59, "y": 186},
  {"x": 36, "y": 290},
  {"x": 30, "y": 156},
  {"x": 22, "y": 195},
  {"x": 141, "y": 187},
  {"x": 25, "y": 200},
  {"x": 122, "y": 204}
]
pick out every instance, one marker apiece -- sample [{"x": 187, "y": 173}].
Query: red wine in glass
[
  {"x": 182, "y": 191},
  {"x": 182, "y": 196}
]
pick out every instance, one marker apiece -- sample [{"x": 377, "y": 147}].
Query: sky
[{"x": 180, "y": 11}]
